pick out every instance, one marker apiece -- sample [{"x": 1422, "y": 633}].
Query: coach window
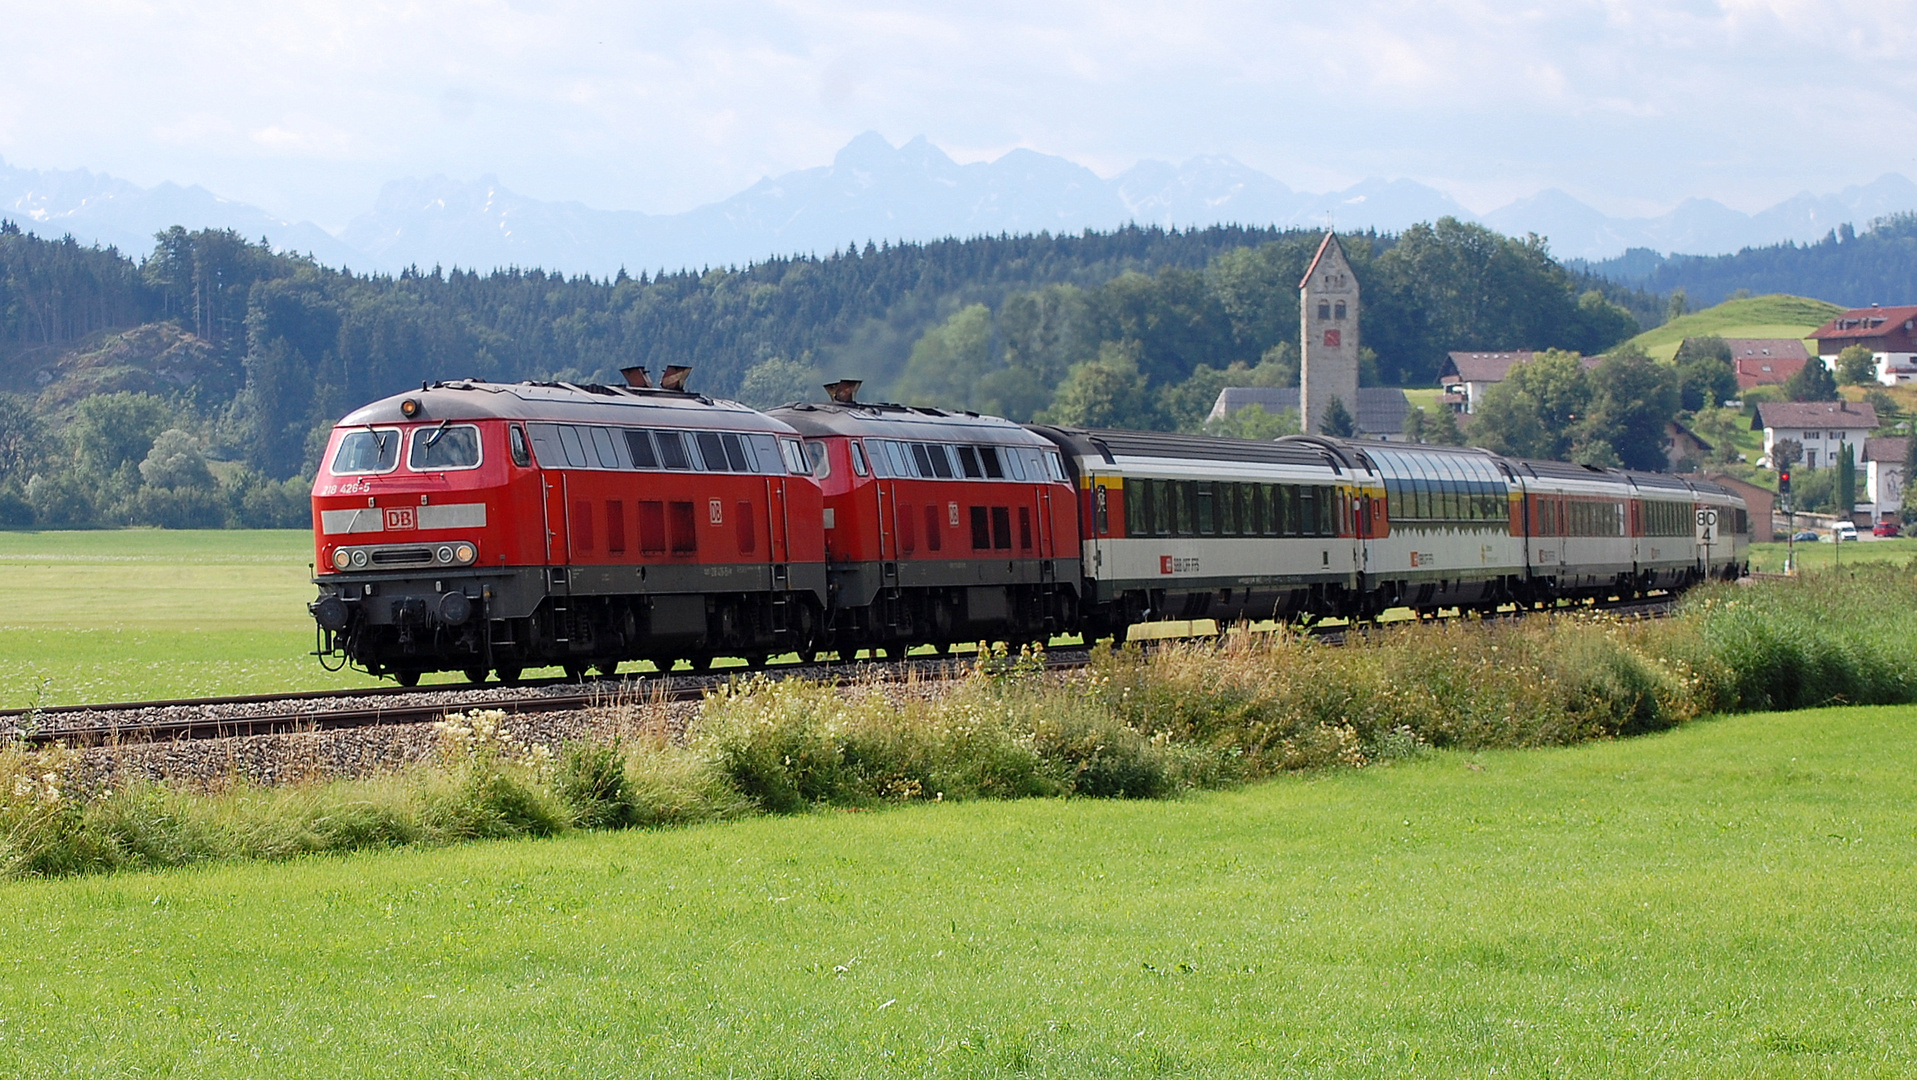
[
  {"x": 710, "y": 449},
  {"x": 1205, "y": 508},
  {"x": 1137, "y": 507},
  {"x": 444, "y": 447},
  {"x": 517, "y": 445},
  {"x": 368, "y": 450},
  {"x": 858, "y": 457},
  {"x": 816, "y": 455}
]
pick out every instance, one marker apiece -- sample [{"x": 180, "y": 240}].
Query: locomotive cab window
[
  {"x": 858, "y": 458},
  {"x": 444, "y": 447},
  {"x": 516, "y": 443},
  {"x": 794, "y": 457},
  {"x": 368, "y": 450}
]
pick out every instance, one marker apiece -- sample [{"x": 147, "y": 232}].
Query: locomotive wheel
[
  {"x": 475, "y": 675},
  {"x": 574, "y": 672},
  {"x": 756, "y": 661},
  {"x": 509, "y": 676},
  {"x": 700, "y": 663},
  {"x": 406, "y": 678}
]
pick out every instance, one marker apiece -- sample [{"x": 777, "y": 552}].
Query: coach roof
[{"x": 564, "y": 403}]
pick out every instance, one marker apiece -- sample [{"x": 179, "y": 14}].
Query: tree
[
  {"x": 1443, "y": 429},
  {"x": 23, "y": 439},
  {"x": 1856, "y": 365},
  {"x": 112, "y": 433},
  {"x": 1254, "y": 422},
  {"x": 1106, "y": 392},
  {"x": 1812, "y": 382},
  {"x": 947, "y": 363},
  {"x": 1785, "y": 453},
  {"x": 1635, "y": 401},
  {"x": 1680, "y": 305},
  {"x": 1538, "y": 410},
  {"x": 176, "y": 462},
  {"x": 1338, "y": 420},
  {"x": 1846, "y": 479},
  {"x": 776, "y": 381},
  {"x": 1705, "y": 373}
]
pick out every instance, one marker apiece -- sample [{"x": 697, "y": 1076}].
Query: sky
[{"x": 305, "y": 107}]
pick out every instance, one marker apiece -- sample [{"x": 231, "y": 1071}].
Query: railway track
[{"x": 325, "y": 710}]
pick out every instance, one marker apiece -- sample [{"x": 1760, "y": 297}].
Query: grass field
[
  {"x": 1775, "y": 316},
  {"x": 1769, "y": 558},
  {"x": 1733, "y": 899},
  {"x": 117, "y": 615}
]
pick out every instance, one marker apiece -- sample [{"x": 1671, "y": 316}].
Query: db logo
[
  {"x": 715, "y": 512},
  {"x": 1164, "y": 564},
  {"x": 399, "y": 517}
]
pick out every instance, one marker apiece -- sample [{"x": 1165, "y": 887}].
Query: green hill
[{"x": 1774, "y": 316}]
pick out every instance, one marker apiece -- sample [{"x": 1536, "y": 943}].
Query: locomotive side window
[
  {"x": 572, "y": 450},
  {"x": 444, "y": 447},
  {"x": 516, "y": 443},
  {"x": 968, "y": 462},
  {"x": 1013, "y": 464},
  {"x": 1057, "y": 467},
  {"x": 988, "y": 456},
  {"x": 736, "y": 454},
  {"x": 941, "y": 460},
  {"x": 370, "y": 450},
  {"x": 609, "y": 455},
  {"x": 766, "y": 449},
  {"x": 672, "y": 449},
  {"x": 900, "y": 459},
  {"x": 922, "y": 457},
  {"x": 981, "y": 528},
  {"x": 858, "y": 457},
  {"x": 711, "y": 450},
  {"x": 639, "y": 444}
]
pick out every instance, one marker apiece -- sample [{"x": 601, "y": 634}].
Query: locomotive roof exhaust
[
  {"x": 845, "y": 391},
  {"x": 637, "y": 377},
  {"x": 674, "y": 378}
]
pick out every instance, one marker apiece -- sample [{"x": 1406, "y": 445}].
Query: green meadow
[
  {"x": 1769, "y": 558},
  {"x": 150, "y": 613},
  {"x": 1736, "y": 898},
  {"x": 1776, "y": 316}
]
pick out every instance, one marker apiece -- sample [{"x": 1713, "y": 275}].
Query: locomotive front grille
[{"x": 402, "y": 556}]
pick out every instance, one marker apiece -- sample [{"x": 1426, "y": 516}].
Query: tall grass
[{"x": 1135, "y": 724}]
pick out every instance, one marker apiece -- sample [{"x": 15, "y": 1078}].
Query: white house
[
  {"x": 1467, "y": 375},
  {"x": 1890, "y": 333},
  {"x": 1884, "y": 476},
  {"x": 1821, "y": 427}
]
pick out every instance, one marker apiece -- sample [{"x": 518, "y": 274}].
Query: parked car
[
  {"x": 1886, "y": 528},
  {"x": 1844, "y": 532},
  {"x": 1807, "y": 536}
]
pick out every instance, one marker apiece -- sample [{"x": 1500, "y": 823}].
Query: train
[{"x": 490, "y": 528}]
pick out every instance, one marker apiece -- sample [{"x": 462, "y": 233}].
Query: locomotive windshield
[
  {"x": 369, "y": 450},
  {"x": 444, "y": 447}
]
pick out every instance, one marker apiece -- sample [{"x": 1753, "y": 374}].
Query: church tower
[{"x": 1328, "y": 341}]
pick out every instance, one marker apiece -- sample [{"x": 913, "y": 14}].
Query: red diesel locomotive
[
  {"x": 939, "y": 527},
  {"x": 480, "y": 527}
]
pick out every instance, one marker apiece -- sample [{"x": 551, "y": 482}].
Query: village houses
[
  {"x": 1890, "y": 333},
  {"x": 1822, "y": 428}
]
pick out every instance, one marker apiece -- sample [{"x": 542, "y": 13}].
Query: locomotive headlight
[
  {"x": 359, "y": 557},
  {"x": 465, "y": 553},
  {"x": 445, "y": 553},
  {"x": 342, "y": 559}
]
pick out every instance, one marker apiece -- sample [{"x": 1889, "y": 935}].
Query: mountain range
[{"x": 874, "y": 191}]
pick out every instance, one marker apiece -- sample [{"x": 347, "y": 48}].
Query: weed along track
[{"x": 271, "y": 714}]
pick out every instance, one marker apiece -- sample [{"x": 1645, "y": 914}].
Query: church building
[{"x": 1328, "y": 341}]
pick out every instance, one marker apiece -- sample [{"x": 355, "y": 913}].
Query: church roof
[{"x": 1330, "y": 241}]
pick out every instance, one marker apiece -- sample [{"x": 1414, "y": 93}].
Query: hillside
[
  {"x": 1850, "y": 268},
  {"x": 1775, "y": 316}
]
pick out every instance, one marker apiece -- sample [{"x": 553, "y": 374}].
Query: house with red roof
[
  {"x": 1766, "y": 361},
  {"x": 1467, "y": 375},
  {"x": 1890, "y": 333}
]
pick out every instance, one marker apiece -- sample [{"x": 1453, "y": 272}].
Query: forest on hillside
[
  {"x": 196, "y": 383},
  {"x": 1846, "y": 267}
]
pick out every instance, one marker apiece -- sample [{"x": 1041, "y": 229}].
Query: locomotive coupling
[{"x": 329, "y": 612}]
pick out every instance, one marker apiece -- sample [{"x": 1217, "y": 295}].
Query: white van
[{"x": 1843, "y": 532}]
